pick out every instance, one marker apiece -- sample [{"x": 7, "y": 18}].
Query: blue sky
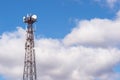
[
  {"x": 53, "y": 15},
  {"x": 56, "y": 18},
  {"x": 1, "y": 78}
]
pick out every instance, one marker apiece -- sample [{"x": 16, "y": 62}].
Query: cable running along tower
[{"x": 29, "y": 61}]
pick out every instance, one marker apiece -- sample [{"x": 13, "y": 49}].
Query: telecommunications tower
[{"x": 29, "y": 61}]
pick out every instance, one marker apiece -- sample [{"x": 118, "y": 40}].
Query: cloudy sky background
[{"x": 87, "y": 47}]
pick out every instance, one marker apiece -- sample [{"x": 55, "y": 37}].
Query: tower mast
[{"x": 29, "y": 61}]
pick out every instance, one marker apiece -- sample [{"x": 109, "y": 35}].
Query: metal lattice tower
[{"x": 29, "y": 61}]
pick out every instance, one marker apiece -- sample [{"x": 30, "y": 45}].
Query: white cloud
[
  {"x": 109, "y": 3},
  {"x": 60, "y": 59},
  {"x": 118, "y": 14},
  {"x": 11, "y": 49},
  {"x": 95, "y": 32}
]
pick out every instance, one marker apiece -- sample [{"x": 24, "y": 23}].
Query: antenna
[{"x": 29, "y": 61}]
